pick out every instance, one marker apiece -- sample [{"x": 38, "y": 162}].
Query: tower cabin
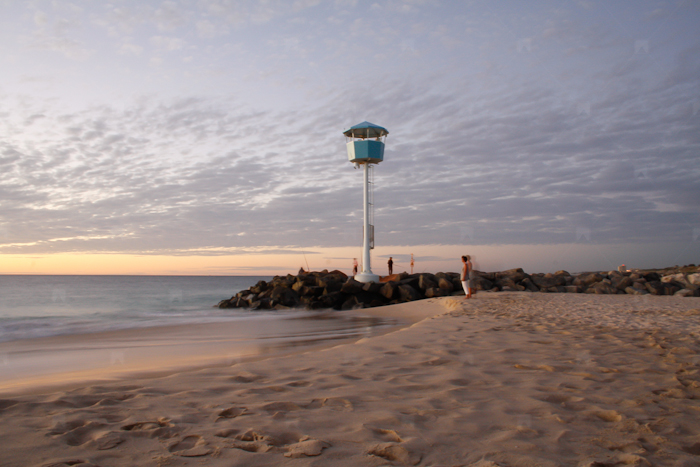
[{"x": 365, "y": 143}]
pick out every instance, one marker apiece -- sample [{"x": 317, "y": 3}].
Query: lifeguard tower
[{"x": 365, "y": 144}]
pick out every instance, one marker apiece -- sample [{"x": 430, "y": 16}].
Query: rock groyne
[{"x": 335, "y": 290}]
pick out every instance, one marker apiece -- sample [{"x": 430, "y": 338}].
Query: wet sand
[{"x": 505, "y": 379}]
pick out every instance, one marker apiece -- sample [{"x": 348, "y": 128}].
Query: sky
[{"x": 205, "y": 136}]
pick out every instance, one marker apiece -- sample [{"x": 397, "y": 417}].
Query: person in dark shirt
[{"x": 390, "y": 263}]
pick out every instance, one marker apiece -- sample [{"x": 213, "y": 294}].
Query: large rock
[
  {"x": 260, "y": 287},
  {"x": 437, "y": 292},
  {"x": 373, "y": 287},
  {"x": 506, "y": 284},
  {"x": 548, "y": 280},
  {"x": 635, "y": 291},
  {"x": 390, "y": 290},
  {"x": 352, "y": 303},
  {"x": 529, "y": 285},
  {"x": 515, "y": 275},
  {"x": 427, "y": 281},
  {"x": 684, "y": 293},
  {"x": 481, "y": 283},
  {"x": 446, "y": 284},
  {"x": 333, "y": 300},
  {"x": 585, "y": 280},
  {"x": 621, "y": 282},
  {"x": 408, "y": 293},
  {"x": 329, "y": 283},
  {"x": 693, "y": 279},
  {"x": 603, "y": 288},
  {"x": 411, "y": 280},
  {"x": 655, "y": 287},
  {"x": 285, "y": 296},
  {"x": 351, "y": 286},
  {"x": 651, "y": 276}
]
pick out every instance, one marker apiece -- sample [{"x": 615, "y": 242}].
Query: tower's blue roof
[{"x": 366, "y": 130}]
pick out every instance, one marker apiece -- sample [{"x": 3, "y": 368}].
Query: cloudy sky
[{"x": 205, "y": 136}]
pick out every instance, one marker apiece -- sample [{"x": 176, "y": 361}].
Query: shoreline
[
  {"x": 503, "y": 379},
  {"x": 69, "y": 361}
]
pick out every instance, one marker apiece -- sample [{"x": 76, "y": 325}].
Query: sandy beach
[{"x": 504, "y": 379}]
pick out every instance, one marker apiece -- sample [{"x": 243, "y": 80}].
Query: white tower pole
[{"x": 366, "y": 267}]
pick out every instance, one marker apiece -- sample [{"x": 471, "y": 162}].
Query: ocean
[
  {"x": 57, "y": 325},
  {"x": 43, "y": 306}
]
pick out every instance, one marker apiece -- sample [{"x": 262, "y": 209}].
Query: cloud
[
  {"x": 574, "y": 140},
  {"x": 167, "y": 44}
]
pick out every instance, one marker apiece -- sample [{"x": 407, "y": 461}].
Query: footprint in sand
[
  {"x": 80, "y": 432},
  {"x": 560, "y": 398},
  {"x": 306, "y": 447},
  {"x": 334, "y": 403},
  {"x": 190, "y": 446},
  {"x": 609, "y": 416},
  {"x": 394, "y": 452},
  {"x": 247, "y": 378},
  {"x": 161, "y": 429},
  {"x": 384, "y": 434},
  {"x": 232, "y": 412},
  {"x": 71, "y": 463}
]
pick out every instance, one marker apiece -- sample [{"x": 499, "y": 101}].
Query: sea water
[
  {"x": 36, "y": 307},
  {"x": 41, "y": 306}
]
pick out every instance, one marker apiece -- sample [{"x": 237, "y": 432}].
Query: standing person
[
  {"x": 390, "y": 263},
  {"x": 354, "y": 266},
  {"x": 411, "y": 263},
  {"x": 464, "y": 277}
]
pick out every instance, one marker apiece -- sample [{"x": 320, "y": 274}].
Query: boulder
[
  {"x": 505, "y": 282},
  {"x": 586, "y": 279},
  {"x": 621, "y": 282},
  {"x": 651, "y": 276},
  {"x": 684, "y": 293},
  {"x": 329, "y": 283},
  {"x": 351, "y": 286},
  {"x": 285, "y": 296},
  {"x": 261, "y": 304},
  {"x": 437, "y": 292},
  {"x": 604, "y": 288},
  {"x": 313, "y": 291},
  {"x": 446, "y": 284},
  {"x": 373, "y": 287},
  {"x": 572, "y": 289},
  {"x": 635, "y": 291},
  {"x": 515, "y": 275},
  {"x": 410, "y": 280},
  {"x": 693, "y": 279},
  {"x": 655, "y": 287},
  {"x": 260, "y": 287},
  {"x": 408, "y": 293},
  {"x": 671, "y": 289},
  {"x": 548, "y": 280},
  {"x": 352, "y": 303},
  {"x": 427, "y": 281},
  {"x": 338, "y": 275},
  {"x": 333, "y": 300},
  {"x": 481, "y": 283},
  {"x": 529, "y": 285},
  {"x": 390, "y": 290}
]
